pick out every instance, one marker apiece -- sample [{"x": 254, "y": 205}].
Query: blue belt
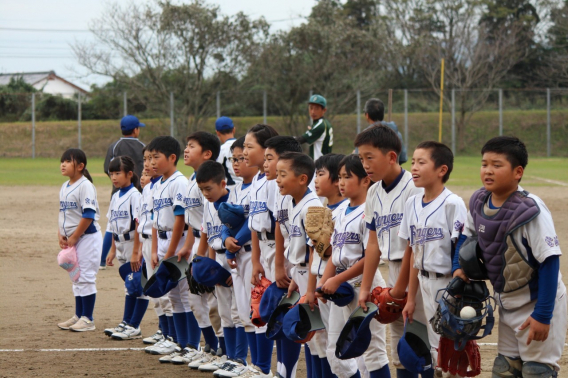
[
  {"x": 164, "y": 234},
  {"x": 196, "y": 233},
  {"x": 116, "y": 237},
  {"x": 145, "y": 236}
]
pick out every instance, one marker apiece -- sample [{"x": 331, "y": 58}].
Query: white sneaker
[
  {"x": 262, "y": 375},
  {"x": 165, "y": 347},
  {"x": 214, "y": 364},
  {"x": 185, "y": 357},
  {"x": 118, "y": 328},
  {"x": 68, "y": 323},
  {"x": 82, "y": 325},
  {"x": 171, "y": 356},
  {"x": 203, "y": 358},
  {"x": 129, "y": 333},
  {"x": 154, "y": 339},
  {"x": 232, "y": 369}
]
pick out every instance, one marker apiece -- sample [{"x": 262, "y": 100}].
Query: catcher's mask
[
  {"x": 457, "y": 295},
  {"x": 275, "y": 323},
  {"x": 471, "y": 260},
  {"x": 301, "y": 323},
  {"x": 342, "y": 296},
  {"x": 166, "y": 276},
  {"x": 209, "y": 272},
  {"x": 414, "y": 348},
  {"x": 132, "y": 280},
  {"x": 355, "y": 336}
]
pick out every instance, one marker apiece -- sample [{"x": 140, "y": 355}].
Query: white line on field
[{"x": 556, "y": 182}]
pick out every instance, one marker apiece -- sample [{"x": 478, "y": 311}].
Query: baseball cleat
[
  {"x": 203, "y": 358},
  {"x": 154, "y": 339},
  {"x": 68, "y": 323},
  {"x": 164, "y": 347},
  {"x": 129, "y": 333},
  {"x": 186, "y": 356},
  {"x": 167, "y": 359},
  {"x": 214, "y": 364},
  {"x": 262, "y": 375},
  {"x": 232, "y": 369},
  {"x": 118, "y": 328},
  {"x": 82, "y": 325}
]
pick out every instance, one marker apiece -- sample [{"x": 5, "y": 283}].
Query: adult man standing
[
  {"x": 225, "y": 130},
  {"x": 320, "y": 135}
]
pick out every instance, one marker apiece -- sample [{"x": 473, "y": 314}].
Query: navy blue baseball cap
[
  {"x": 232, "y": 216},
  {"x": 209, "y": 272},
  {"x": 300, "y": 321},
  {"x": 342, "y": 296},
  {"x": 224, "y": 123},
  {"x": 131, "y": 279},
  {"x": 274, "y": 325},
  {"x": 269, "y": 301},
  {"x": 355, "y": 336},
  {"x": 166, "y": 276},
  {"x": 414, "y": 348},
  {"x": 130, "y": 122}
]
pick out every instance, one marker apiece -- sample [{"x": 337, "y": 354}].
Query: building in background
[{"x": 46, "y": 82}]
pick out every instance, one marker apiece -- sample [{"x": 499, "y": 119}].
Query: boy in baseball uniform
[
  {"x": 431, "y": 223},
  {"x": 225, "y": 130},
  {"x": 520, "y": 248},
  {"x": 379, "y": 147}
]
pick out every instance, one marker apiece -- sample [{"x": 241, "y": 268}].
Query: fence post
[
  {"x": 264, "y": 104},
  {"x": 406, "y": 118},
  {"x": 548, "y": 122},
  {"x": 79, "y": 119},
  {"x": 125, "y": 103},
  {"x": 454, "y": 121},
  {"x": 218, "y": 104},
  {"x": 33, "y": 126},
  {"x": 310, "y": 118},
  {"x": 500, "y": 112},
  {"x": 172, "y": 114},
  {"x": 358, "y": 111},
  {"x": 390, "y": 105}
]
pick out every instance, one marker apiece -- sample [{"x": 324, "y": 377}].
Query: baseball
[{"x": 468, "y": 312}]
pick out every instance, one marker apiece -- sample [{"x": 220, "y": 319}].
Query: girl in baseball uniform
[
  {"x": 349, "y": 239},
  {"x": 79, "y": 228}
]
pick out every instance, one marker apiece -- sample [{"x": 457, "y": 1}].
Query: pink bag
[{"x": 67, "y": 259}]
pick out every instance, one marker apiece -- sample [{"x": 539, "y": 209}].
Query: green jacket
[{"x": 319, "y": 137}]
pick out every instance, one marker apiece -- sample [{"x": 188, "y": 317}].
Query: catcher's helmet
[
  {"x": 457, "y": 295},
  {"x": 471, "y": 260}
]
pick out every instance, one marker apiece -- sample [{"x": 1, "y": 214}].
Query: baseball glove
[
  {"x": 390, "y": 309},
  {"x": 255, "y": 296},
  {"x": 195, "y": 287},
  {"x": 465, "y": 363},
  {"x": 319, "y": 227}
]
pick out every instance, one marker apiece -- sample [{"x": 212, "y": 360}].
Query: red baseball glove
[
  {"x": 255, "y": 296},
  {"x": 465, "y": 363},
  {"x": 390, "y": 309}
]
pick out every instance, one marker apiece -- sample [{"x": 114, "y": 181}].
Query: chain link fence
[{"x": 41, "y": 125}]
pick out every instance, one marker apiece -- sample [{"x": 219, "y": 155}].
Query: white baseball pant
[
  {"x": 227, "y": 308},
  {"x": 242, "y": 288},
  {"x": 162, "y": 306},
  {"x": 89, "y": 250},
  {"x": 179, "y": 295}
]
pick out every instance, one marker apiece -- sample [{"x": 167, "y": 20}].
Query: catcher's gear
[
  {"x": 195, "y": 287},
  {"x": 255, "y": 296},
  {"x": 507, "y": 367},
  {"x": 458, "y": 294},
  {"x": 390, "y": 309},
  {"x": 465, "y": 363},
  {"x": 319, "y": 227},
  {"x": 471, "y": 260}
]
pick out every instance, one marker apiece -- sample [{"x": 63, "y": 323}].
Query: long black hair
[
  {"x": 77, "y": 156},
  {"x": 125, "y": 164}
]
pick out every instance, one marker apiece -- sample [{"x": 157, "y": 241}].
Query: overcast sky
[{"x": 48, "y": 48}]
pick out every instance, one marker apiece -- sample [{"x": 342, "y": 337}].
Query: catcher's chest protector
[{"x": 507, "y": 269}]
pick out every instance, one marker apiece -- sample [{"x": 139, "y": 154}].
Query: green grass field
[{"x": 44, "y": 171}]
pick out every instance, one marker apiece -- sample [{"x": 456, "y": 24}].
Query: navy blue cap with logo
[
  {"x": 209, "y": 272},
  {"x": 166, "y": 276},
  {"x": 414, "y": 348},
  {"x": 300, "y": 320},
  {"x": 132, "y": 280},
  {"x": 232, "y": 216},
  {"x": 355, "y": 336},
  {"x": 342, "y": 296},
  {"x": 274, "y": 325}
]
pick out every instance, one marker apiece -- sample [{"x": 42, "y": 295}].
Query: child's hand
[
  {"x": 363, "y": 299},
  {"x": 72, "y": 240},
  {"x": 282, "y": 279},
  {"x": 311, "y": 299},
  {"x": 459, "y": 273},
  {"x": 257, "y": 271},
  {"x": 408, "y": 311},
  {"x": 229, "y": 281},
  {"x": 538, "y": 331},
  {"x": 232, "y": 263},
  {"x": 154, "y": 260},
  {"x": 135, "y": 262},
  {"x": 291, "y": 288},
  {"x": 232, "y": 244},
  {"x": 184, "y": 253},
  {"x": 331, "y": 285},
  {"x": 63, "y": 242},
  {"x": 110, "y": 257}
]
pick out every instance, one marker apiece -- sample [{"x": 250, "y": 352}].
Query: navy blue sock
[
  {"x": 230, "y": 334},
  {"x": 79, "y": 306},
  {"x": 265, "y": 347},
  {"x": 278, "y": 353},
  {"x": 210, "y": 337},
  {"x": 89, "y": 305},
  {"x": 172, "y": 328},
  {"x": 383, "y": 372},
  {"x": 107, "y": 243},
  {"x": 163, "y": 324},
  {"x": 222, "y": 345},
  {"x": 308, "y": 355},
  {"x": 403, "y": 373},
  {"x": 356, "y": 375},
  {"x": 181, "y": 329},
  {"x": 251, "y": 337},
  {"x": 316, "y": 366},
  {"x": 139, "y": 311},
  {"x": 241, "y": 349},
  {"x": 427, "y": 374},
  {"x": 326, "y": 369},
  {"x": 290, "y": 356},
  {"x": 193, "y": 330},
  {"x": 129, "y": 304}
]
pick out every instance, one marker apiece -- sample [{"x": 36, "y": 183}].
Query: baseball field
[{"x": 36, "y": 293}]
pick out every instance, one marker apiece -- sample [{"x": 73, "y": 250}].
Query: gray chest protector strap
[{"x": 507, "y": 268}]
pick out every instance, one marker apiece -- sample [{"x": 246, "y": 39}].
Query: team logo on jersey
[
  {"x": 295, "y": 231},
  {"x": 424, "y": 235},
  {"x": 67, "y": 205},
  {"x": 161, "y": 203},
  {"x": 481, "y": 228},
  {"x": 282, "y": 215},
  {"x": 346, "y": 238},
  {"x": 257, "y": 207},
  {"x": 384, "y": 223},
  {"x": 120, "y": 214},
  {"x": 191, "y": 202},
  {"x": 458, "y": 226},
  {"x": 144, "y": 208},
  {"x": 87, "y": 201},
  {"x": 552, "y": 242},
  {"x": 213, "y": 231},
  {"x": 179, "y": 197}
]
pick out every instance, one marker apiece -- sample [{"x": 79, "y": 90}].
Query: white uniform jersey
[
  {"x": 123, "y": 211},
  {"x": 383, "y": 213},
  {"x": 168, "y": 194},
  {"x": 73, "y": 200},
  {"x": 298, "y": 247},
  {"x": 240, "y": 196},
  {"x": 281, "y": 205},
  {"x": 536, "y": 240},
  {"x": 224, "y": 158},
  {"x": 212, "y": 225},
  {"x": 193, "y": 203},
  {"x": 318, "y": 265},
  {"x": 261, "y": 202},
  {"x": 145, "y": 209},
  {"x": 431, "y": 229}
]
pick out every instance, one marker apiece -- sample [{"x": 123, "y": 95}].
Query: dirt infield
[{"x": 36, "y": 294}]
